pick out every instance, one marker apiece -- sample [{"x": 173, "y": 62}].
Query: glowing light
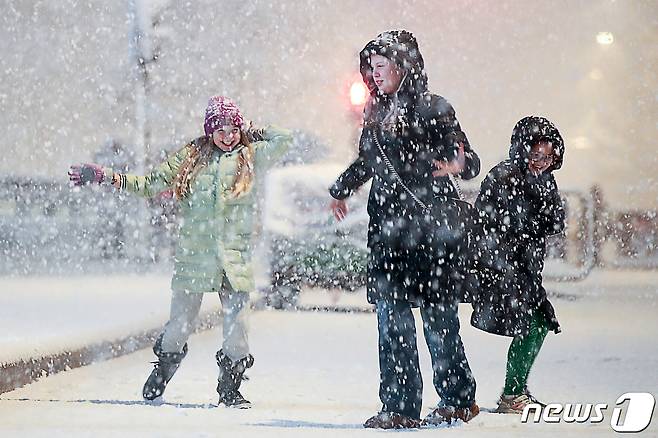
[
  {"x": 596, "y": 74},
  {"x": 581, "y": 142},
  {"x": 358, "y": 93},
  {"x": 605, "y": 38}
]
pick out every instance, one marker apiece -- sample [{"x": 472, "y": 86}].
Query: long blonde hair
[{"x": 199, "y": 153}]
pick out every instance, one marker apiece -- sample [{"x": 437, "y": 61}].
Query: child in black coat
[{"x": 518, "y": 207}]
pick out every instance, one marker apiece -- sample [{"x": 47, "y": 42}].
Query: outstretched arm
[
  {"x": 160, "y": 179},
  {"x": 90, "y": 173},
  {"x": 357, "y": 174}
]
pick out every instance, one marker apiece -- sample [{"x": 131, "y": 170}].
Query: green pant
[{"x": 522, "y": 354}]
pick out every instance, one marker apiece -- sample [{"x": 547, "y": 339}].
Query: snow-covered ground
[
  {"x": 316, "y": 374},
  {"x": 48, "y": 315}
]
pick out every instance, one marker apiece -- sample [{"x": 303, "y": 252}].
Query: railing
[{"x": 588, "y": 259}]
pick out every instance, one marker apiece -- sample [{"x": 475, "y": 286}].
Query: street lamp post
[{"x": 141, "y": 54}]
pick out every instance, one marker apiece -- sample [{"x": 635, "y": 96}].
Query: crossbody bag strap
[
  {"x": 455, "y": 183},
  {"x": 391, "y": 169}
]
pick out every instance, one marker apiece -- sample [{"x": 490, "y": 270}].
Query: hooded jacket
[
  {"x": 215, "y": 229},
  {"x": 515, "y": 213},
  {"x": 400, "y": 266}
]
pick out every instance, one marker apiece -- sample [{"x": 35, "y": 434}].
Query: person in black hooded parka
[
  {"x": 518, "y": 207},
  {"x": 410, "y": 253}
]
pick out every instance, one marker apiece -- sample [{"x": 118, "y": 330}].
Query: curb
[{"x": 14, "y": 375}]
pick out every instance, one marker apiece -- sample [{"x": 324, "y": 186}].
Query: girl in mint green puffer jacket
[{"x": 213, "y": 178}]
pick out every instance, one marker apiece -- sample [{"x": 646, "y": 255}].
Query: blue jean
[{"x": 401, "y": 384}]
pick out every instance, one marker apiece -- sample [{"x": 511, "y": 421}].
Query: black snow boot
[
  {"x": 230, "y": 378},
  {"x": 163, "y": 370}
]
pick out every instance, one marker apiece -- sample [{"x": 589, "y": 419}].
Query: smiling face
[
  {"x": 386, "y": 74},
  {"x": 541, "y": 157},
  {"x": 226, "y": 137}
]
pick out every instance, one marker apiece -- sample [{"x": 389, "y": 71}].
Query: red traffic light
[{"x": 358, "y": 93}]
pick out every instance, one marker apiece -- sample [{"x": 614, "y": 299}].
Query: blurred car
[{"x": 305, "y": 244}]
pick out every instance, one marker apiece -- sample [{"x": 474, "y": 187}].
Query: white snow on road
[
  {"x": 48, "y": 315},
  {"x": 316, "y": 374}
]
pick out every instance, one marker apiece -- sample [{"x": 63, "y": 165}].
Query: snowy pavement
[
  {"x": 48, "y": 315},
  {"x": 316, "y": 373}
]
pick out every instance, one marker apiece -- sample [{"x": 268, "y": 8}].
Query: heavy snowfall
[{"x": 86, "y": 271}]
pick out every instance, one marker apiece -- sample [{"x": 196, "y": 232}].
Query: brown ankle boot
[
  {"x": 391, "y": 420},
  {"x": 449, "y": 414}
]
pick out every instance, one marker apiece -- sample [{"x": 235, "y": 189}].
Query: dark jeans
[{"x": 401, "y": 384}]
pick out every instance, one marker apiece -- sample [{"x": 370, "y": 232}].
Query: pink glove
[{"x": 82, "y": 174}]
